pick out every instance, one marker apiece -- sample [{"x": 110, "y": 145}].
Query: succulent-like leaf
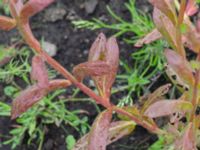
[
  {"x": 116, "y": 131},
  {"x": 112, "y": 58},
  {"x": 58, "y": 84},
  {"x": 167, "y": 7},
  {"x": 149, "y": 38},
  {"x": 26, "y": 99},
  {"x": 119, "y": 129},
  {"x": 108, "y": 52},
  {"x": 167, "y": 107},
  {"x": 180, "y": 66},
  {"x": 99, "y": 133},
  {"x": 165, "y": 27},
  {"x": 93, "y": 68},
  {"x": 32, "y": 7},
  {"x": 187, "y": 142},
  {"x": 112, "y": 54},
  {"x": 39, "y": 71},
  {"x": 191, "y": 38},
  {"x": 191, "y": 8},
  {"x": 32, "y": 95},
  {"x": 155, "y": 96},
  {"x": 7, "y": 23},
  {"x": 98, "y": 48}
]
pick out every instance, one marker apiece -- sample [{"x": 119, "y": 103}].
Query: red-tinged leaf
[
  {"x": 99, "y": 133},
  {"x": 98, "y": 48},
  {"x": 165, "y": 27},
  {"x": 191, "y": 37},
  {"x": 149, "y": 38},
  {"x": 24, "y": 27},
  {"x": 105, "y": 83},
  {"x": 192, "y": 8},
  {"x": 112, "y": 54},
  {"x": 198, "y": 25},
  {"x": 112, "y": 58},
  {"x": 15, "y": 7},
  {"x": 155, "y": 96},
  {"x": 33, "y": 94},
  {"x": 39, "y": 71},
  {"x": 171, "y": 129},
  {"x": 7, "y": 23},
  {"x": 116, "y": 131},
  {"x": 32, "y": 7},
  {"x": 120, "y": 129},
  {"x": 108, "y": 52},
  {"x": 187, "y": 142},
  {"x": 167, "y": 7},
  {"x": 180, "y": 66},
  {"x": 92, "y": 68},
  {"x": 26, "y": 99},
  {"x": 58, "y": 84},
  {"x": 167, "y": 107}
]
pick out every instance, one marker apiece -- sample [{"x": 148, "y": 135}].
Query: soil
[{"x": 73, "y": 45}]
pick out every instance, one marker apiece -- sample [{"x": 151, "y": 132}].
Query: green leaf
[
  {"x": 5, "y": 55},
  {"x": 158, "y": 145},
  {"x": 167, "y": 7},
  {"x": 70, "y": 141},
  {"x": 10, "y": 91},
  {"x": 183, "y": 28}
]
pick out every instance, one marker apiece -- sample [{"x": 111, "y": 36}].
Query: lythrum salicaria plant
[{"x": 180, "y": 133}]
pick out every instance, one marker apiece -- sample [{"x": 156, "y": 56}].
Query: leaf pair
[
  {"x": 166, "y": 21},
  {"x": 155, "y": 106},
  {"x": 102, "y": 64},
  {"x": 33, "y": 94},
  {"x": 168, "y": 107},
  {"x": 104, "y": 132},
  {"x": 145, "y": 102},
  {"x": 21, "y": 13},
  {"x": 192, "y": 7}
]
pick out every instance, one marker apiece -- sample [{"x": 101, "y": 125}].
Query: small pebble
[{"x": 50, "y": 48}]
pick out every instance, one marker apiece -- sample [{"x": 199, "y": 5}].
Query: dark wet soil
[{"x": 73, "y": 45}]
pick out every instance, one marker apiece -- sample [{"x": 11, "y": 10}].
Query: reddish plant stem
[
  {"x": 195, "y": 99},
  {"x": 182, "y": 12},
  {"x": 34, "y": 44},
  {"x": 85, "y": 89},
  {"x": 195, "y": 95},
  {"x": 150, "y": 127},
  {"x": 178, "y": 31}
]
